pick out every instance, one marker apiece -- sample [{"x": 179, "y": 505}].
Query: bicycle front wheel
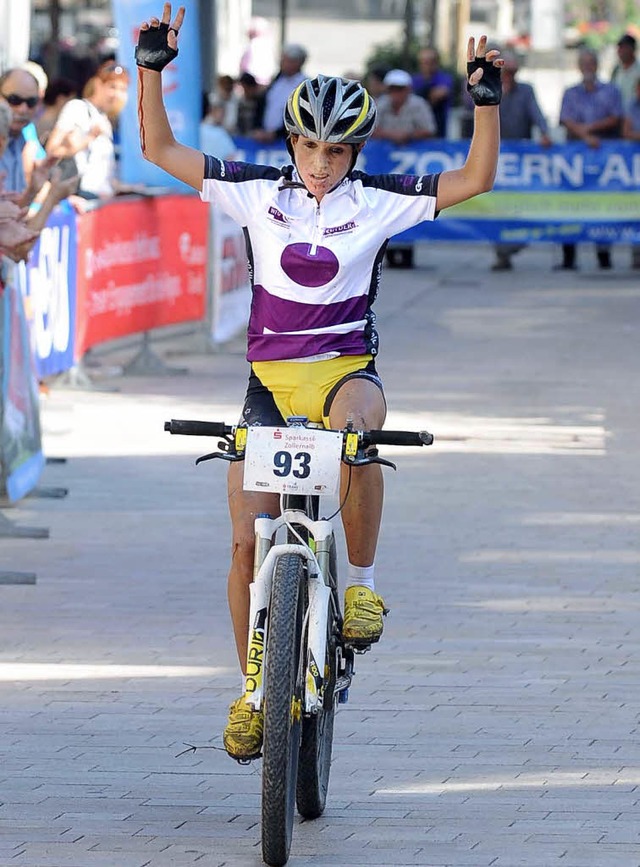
[
  {"x": 317, "y": 729},
  {"x": 282, "y": 708}
]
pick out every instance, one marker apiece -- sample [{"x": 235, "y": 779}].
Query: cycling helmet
[{"x": 331, "y": 110}]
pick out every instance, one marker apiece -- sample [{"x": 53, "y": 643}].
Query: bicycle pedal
[
  {"x": 242, "y": 761},
  {"x": 360, "y": 648}
]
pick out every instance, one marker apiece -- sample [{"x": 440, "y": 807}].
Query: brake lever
[
  {"x": 374, "y": 459},
  {"x": 230, "y": 456}
]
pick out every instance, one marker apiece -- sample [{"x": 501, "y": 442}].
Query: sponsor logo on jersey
[
  {"x": 276, "y": 215},
  {"x": 337, "y": 230}
]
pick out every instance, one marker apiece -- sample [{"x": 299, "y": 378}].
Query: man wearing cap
[
  {"x": 627, "y": 71},
  {"x": 288, "y": 78},
  {"x": 403, "y": 116}
]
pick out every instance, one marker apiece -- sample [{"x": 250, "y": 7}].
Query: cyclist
[{"x": 316, "y": 234}]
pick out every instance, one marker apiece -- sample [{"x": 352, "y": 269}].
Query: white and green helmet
[{"x": 331, "y": 110}]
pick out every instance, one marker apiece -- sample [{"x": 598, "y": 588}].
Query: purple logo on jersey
[
  {"x": 306, "y": 268},
  {"x": 336, "y": 230},
  {"x": 277, "y": 215}
]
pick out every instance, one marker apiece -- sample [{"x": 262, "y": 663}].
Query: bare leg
[
  {"x": 243, "y": 507},
  {"x": 361, "y": 401}
]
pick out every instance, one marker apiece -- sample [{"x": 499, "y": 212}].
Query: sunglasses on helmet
[{"x": 15, "y": 100}]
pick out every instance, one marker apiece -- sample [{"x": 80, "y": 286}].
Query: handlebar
[
  {"x": 397, "y": 438},
  {"x": 368, "y": 438},
  {"x": 198, "y": 428}
]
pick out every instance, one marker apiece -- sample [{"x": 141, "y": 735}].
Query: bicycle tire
[
  {"x": 282, "y": 708},
  {"x": 317, "y": 730}
]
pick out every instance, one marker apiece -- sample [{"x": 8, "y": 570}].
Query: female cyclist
[{"x": 316, "y": 234}]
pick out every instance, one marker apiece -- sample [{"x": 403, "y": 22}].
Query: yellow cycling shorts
[{"x": 279, "y": 389}]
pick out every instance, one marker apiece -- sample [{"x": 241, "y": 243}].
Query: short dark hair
[
  {"x": 627, "y": 39},
  {"x": 59, "y": 87},
  {"x": 247, "y": 79}
]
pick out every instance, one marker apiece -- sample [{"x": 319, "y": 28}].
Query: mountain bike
[{"x": 299, "y": 668}]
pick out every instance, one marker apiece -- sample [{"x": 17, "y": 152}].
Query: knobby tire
[
  {"x": 317, "y": 730},
  {"x": 282, "y": 709}
]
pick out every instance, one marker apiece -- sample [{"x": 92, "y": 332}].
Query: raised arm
[
  {"x": 478, "y": 172},
  {"x": 157, "y": 47}
]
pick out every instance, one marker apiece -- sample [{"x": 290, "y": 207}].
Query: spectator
[
  {"x": 58, "y": 92},
  {"x": 20, "y": 90},
  {"x": 288, "y": 78},
  {"x": 590, "y": 111},
  {"x": 214, "y": 138},
  {"x": 84, "y": 132},
  {"x": 13, "y": 229},
  {"x": 32, "y": 150},
  {"x": 374, "y": 81},
  {"x": 258, "y": 59},
  {"x": 225, "y": 98},
  {"x": 403, "y": 116},
  {"x": 435, "y": 85},
  {"x": 631, "y": 132},
  {"x": 18, "y": 229},
  {"x": 627, "y": 70},
  {"x": 250, "y": 105},
  {"x": 519, "y": 115}
]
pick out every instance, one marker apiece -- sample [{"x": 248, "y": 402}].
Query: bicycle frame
[
  {"x": 299, "y": 666},
  {"x": 319, "y": 595}
]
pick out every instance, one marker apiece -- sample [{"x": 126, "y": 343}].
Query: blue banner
[
  {"x": 182, "y": 89},
  {"x": 21, "y": 457},
  {"x": 560, "y": 193},
  {"x": 48, "y": 284}
]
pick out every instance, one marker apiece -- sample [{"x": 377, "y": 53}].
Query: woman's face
[
  {"x": 110, "y": 95},
  {"x": 321, "y": 165}
]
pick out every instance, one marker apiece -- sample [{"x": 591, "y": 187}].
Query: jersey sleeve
[
  {"x": 236, "y": 187},
  {"x": 401, "y": 201}
]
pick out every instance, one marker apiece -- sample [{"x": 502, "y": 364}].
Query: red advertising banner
[{"x": 141, "y": 265}]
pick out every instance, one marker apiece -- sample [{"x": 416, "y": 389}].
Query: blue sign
[
  {"x": 48, "y": 282},
  {"x": 21, "y": 456},
  {"x": 181, "y": 84},
  {"x": 562, "y": 193}
]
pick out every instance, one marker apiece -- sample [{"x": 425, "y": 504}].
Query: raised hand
[
  {"x": 158, "y": 40},
  {"x": 483, "y": 70}
]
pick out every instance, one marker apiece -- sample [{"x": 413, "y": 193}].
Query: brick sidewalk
[{"x": 496, "y": 724}]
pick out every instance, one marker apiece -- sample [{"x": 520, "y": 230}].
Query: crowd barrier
[
  {"x": 125, "y": 267},
  {"x": 21, "y": 456}
]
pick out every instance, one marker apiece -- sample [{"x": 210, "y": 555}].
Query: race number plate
[{"x": 292, "y": 460}]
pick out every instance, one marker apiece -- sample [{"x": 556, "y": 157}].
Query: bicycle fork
[{"x": 319, "y": 594}]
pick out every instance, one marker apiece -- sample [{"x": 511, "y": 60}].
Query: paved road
[{"x": 496, "y": 724}]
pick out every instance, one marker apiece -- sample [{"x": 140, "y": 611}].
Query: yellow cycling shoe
[
  {"x": 363, "y": 612},
  {"x": 242, "y": 737}
]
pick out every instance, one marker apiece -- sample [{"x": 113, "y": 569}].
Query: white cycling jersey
[{"x": 315, "y": 268}]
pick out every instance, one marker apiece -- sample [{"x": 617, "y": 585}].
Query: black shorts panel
[{"x": 259, "y": 406}]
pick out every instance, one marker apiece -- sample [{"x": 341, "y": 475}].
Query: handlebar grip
[
  {"x": 399, "y": 438},
  {"x": 197, "y": 428}
]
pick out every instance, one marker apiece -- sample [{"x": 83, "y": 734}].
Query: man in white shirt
[{"x": 403, "y": 116}]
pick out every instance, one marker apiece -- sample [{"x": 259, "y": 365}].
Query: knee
[{"x": 243, "y": 548}]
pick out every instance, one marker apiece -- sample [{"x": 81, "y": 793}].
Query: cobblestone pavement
[{"x": 496, "y": 723}]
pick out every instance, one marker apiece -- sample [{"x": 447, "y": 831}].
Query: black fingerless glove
[
  {"x": 153, "y": 51},
  {"x": 488, "y": 91}
]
